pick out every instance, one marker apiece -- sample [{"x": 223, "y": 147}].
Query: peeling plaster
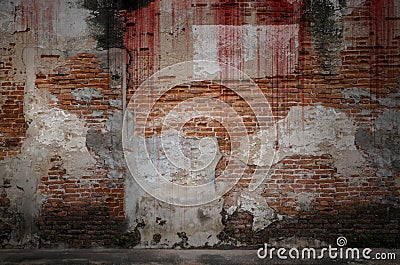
[
  {"x": 164, "y": 157},
  {"x": 187, "y": 161},
  {"x": 312, "y": 130},
  {"x": 107, "y": 146},
  {"x": 356, "y": 93},
  {"x": 390, "y": 100},
  {"x": 263, "y": 215},
  {"x": 200, "y": 224}
]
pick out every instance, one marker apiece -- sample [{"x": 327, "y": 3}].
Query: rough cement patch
[
  {"x": 392, "y": 100},
  {"x": 107, "y": 145},
  {"x": 86, "y": 94},
  {"x": 356, "y": 93},
  {"x": 72, "y": 21},
  {"x": 56, "y": 129},
  {"x": 305, "y": 200},
  {"x": 7, "y": 16},
  {"x": 158, "y": 161},
  {"x": 382, "y": 148},
  {"x": 260, "y": 150},
  {"x": 117, "y": 103},
  {"x": 172, "y": 162}
]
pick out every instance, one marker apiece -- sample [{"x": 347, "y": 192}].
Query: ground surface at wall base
[{"x": 162, "y": 256}]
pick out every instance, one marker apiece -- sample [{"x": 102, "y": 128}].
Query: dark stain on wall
[
  {"x": 107, "y": 24},
  {"x": 327, "y": 32},
  {"x": 10, "y": 220}
]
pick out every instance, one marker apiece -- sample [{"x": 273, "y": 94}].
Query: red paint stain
[
  {"x": 382, "y": 14},
  {"x": 180, "y": 16},
  {"x": 39, "y": 21},
  {"x": 229, "y": 13},
  {"x": 230, "y": 45},
  {"x": 142, "y": 36}
]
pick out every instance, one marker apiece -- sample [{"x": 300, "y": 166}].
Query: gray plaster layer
[
  {"x": 356, "y": 93},
  {"x": 87, "y": 94},
  {"x": 174, "y": 169},
  {"x": 106, "y": 146},
  {"x": 391, "y": 100},
  {"x": 383, "y": 145},
  {"x": 186, "y": 162}
]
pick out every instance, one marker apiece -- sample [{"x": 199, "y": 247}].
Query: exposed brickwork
[
  {"x": 88, "y": 210},
  {"x": 81, "y": 87},
  {"x": 84, "y": 212},
  {"x": 12, "y": 121},
  {"x": 353, "y": 206}
]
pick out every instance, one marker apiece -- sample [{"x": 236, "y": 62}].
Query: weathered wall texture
[{"x": 311, "y": 153}]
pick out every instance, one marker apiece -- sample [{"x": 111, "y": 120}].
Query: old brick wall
[
  {"x": 329, "y": 71},
  {"x": 12, "y": 126}
]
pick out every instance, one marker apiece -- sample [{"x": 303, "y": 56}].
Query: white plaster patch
[
  {"x": 86, "y": 94},
  {"x": 263, "y": 215},
  {"x": 260, "y": 151},
  {"x": 72, "y": 21},
  {"x": 57, "y": 127},
  {"x": 317, "y": 130},
  {"x": 256, "y": 50}
]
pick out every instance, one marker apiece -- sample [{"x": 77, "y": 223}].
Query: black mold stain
[
  {"x": 156, "y": 238},
  {"x": 128, "y": 239},
  {"x": 327, "y": 32},
  {"x": 184, "y": 241},
  {"x": 107, "y": 24}
]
